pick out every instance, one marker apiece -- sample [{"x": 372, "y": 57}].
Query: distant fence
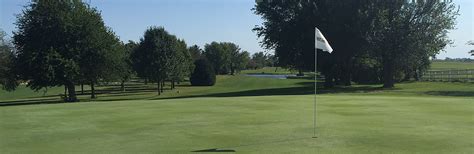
[{"x": 449, "y": 75}]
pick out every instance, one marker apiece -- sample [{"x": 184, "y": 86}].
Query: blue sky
[{"x": 203, "y": 21}]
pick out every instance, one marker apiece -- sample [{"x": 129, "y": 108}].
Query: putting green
[{"x": 264, "y": 124}]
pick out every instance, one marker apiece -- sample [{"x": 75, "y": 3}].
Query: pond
[{"x": 273, "y": 76}]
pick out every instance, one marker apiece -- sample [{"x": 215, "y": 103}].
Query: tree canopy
[
  {"x": 7, "y": 74},
  {"x": 195, "y": 52},
  {"x": 226, "y": 57},
  {"x": 161, "y": 56},
  {"x": 396, "y": 35},
  {"x": 62, "y": 43}
]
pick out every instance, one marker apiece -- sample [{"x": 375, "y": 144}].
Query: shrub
[{"x": 203, "y": 74}]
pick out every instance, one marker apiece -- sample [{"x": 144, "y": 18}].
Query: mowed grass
[
  {"x": 249, "y": 115},
  {"x": 444, "y": 65}
]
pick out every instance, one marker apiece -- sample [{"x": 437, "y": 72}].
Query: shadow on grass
[
  {"x": 451, "y": 93},
  {"x": 144, "y": 92},
  {"x": 230, "y": 149},
  {"x": 215, "y": 150},
  {"x": 32, "y": 102},
  {"x": 358, "y": 89},
  {"x": 113, "y": 93},
  {"x": 57, "y": 100},
  {"x": 306, "y": 88},
  {"x": 109, "y": 93}
]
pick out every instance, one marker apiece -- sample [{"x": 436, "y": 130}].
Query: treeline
[
  {"x": 260, "y": 60},
  {"x": 66, "y": 43},
  {"x": 447, "y": 59},
  {"x": 228, "y": 58},
  {"x": 374, "y": 41}
]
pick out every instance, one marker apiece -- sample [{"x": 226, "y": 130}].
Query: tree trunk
[
  {"x": 407, "y": 76},
  {"x": 346, "y": 77},
  {"x": 162, "y": 85},
  {"x": 388, "y": 74},
  {"x": 65, "y": 93},
  {"x": 172, "y": 84},
  {"x": 146, "y": 81},
  {"x": 71, "y": 89},
  {"x": 158, "y": 87},
  {"x": 232, "y": 70},
  {"x": 92, "y": 91},
  {"x": 300, "y": 72},
  {"x": 122, "y": 86},
  {"x": 328, "y": 81},
  {"x": 417, "y": 75},
  {"x": 82, "y": 89}
]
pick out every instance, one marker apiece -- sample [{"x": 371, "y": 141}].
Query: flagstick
[{"x": 315, "y": 79}]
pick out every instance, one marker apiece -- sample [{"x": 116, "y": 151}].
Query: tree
[
  {"x": 236, "y": 59},
  {"x": 288, "y": 28},
  {"x": 47, "y": 49},
  {"x": 408, "y": 32},
  {"x": 472, "y": 51},
  {"x": 7, "y": 74},
  {"x": 101, "y": 53},
  {"x": 271, "y": 60},
  {"x": 64, "y": 43},
  {"x": 203, "y": 74},
  {"x": 125, "y": 67},
  {"x": 140, "y": 61},
  {"x": 356, "y": 29},
  {"x": 182, "y": 63},
  {"x": 243, "y": 59},
  {"x": 251, "y": 64},
  {"x": 195, "y": 52},
  {"x": 260, "y": 59},
  {"x": 218, "y": 56},
  {"x": 225, "y": 57},
  {"x": 155, "y": 56}
]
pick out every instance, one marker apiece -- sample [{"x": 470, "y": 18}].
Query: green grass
[
  {"x": 443, "y": 65},
  {"x": 248, "y": 115}
]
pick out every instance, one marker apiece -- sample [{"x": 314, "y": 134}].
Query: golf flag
[{"x": 321, "y": 42}]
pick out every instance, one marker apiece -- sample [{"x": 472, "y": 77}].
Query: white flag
[{"x": 321, "y": 42}]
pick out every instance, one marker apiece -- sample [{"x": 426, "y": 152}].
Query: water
[{"x": 273, "y": 76}]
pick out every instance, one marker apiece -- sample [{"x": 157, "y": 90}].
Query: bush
[{"x": 203, "y": 74}]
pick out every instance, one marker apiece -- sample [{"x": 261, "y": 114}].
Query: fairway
[
  {"x": 448, "y": 65},
  {"x": 416, "y": 117}
]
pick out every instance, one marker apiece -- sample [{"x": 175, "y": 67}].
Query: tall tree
[
  {"x": 402, "y": 32},
  {"x": 125, "y": 66},
  {"x": 155, "y": 56},
  {"x": 183, "y": 64},
  {"x": 47, "y": 53},
  {"x": 100, "y": 50},
  {"x": 7, "y": 74},
  {"x": 235, "y": 56},
  {"x": 243, "y": 59},
  {"x": 259, "y": 59},
  {"x": 63, "y": 43},
  {"x": 218, "y": 56},
  {"x": 195, "y": 52}
]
